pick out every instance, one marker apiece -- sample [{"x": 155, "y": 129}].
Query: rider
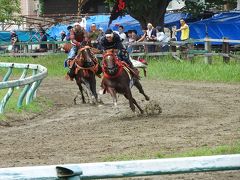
[
  {"x": 77, "y": 36},
  {"x": 112, "y": 40}
]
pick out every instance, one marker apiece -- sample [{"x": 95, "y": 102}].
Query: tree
[
  {"x": 196, "y": 8},
  {"x": 147, "y": 11},
  {"x": 8, "y": 10}
]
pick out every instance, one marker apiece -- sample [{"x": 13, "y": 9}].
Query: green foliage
[
  {"x": 145, "y": 11},
  {"x": 195, "y": 8},
  {"x": 42, "y": 7},
  {"x": 8, "y": 10}
]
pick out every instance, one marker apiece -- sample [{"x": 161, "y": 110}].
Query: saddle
[{"x": 134, "y": 71}]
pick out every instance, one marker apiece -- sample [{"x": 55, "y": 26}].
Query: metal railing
[
  {"x": 30, "y": 83},
  {"x": 124, "y": 168}
]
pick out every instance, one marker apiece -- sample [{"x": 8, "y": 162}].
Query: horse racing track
[{"x": 194, "y": 115}]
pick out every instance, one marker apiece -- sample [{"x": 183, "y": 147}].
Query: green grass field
[
  {"x": 202, "y": 151},
  {"x": 164, "y": 68}
]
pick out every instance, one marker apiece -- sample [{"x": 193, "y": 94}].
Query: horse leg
[
  {"x": 88, "y": 89},
  {"x": 128, "y": 95},
  {"x": 81, "y": 91},
  {"x": 138, "y": 85},
  {"x": 93, "y": 88},
  {"x": 113, "y": 93}
]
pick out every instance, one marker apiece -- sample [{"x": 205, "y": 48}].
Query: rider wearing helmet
[
  {"x": 112, "y": 40},
  {"x": 77, "y": 36}
]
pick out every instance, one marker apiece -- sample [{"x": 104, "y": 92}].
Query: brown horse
[
  {"x": 86, "y": 67},
  {"x": 118, "y": 79}
]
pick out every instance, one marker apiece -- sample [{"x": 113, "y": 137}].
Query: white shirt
[
  {"x": 83, "y": 23},
  {"x": 149, "y": 32},
  {"x": 123, "y": 36},
  {"x": 162, "y": 37}
]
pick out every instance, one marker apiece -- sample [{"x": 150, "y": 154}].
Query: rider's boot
[{"x": 71, "y": 71}]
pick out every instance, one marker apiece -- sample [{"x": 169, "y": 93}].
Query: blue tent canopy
[
  {"x": 219, "y": 26},
  {"x": 23, "y": 36}
]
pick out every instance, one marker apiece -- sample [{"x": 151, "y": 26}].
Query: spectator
[
  {"x": 122, "y": 34},
  {"x": 14, "y": 40},
  {"x": 83, "y": 22},
  {"x": 100, "y": 36},
  {"x": 93, "y": 35},
  {"x": 63, "y": 35},
  {"x": 151, "y": 36},
  {"x": 184, "y": 37},
  {"x": 130, "y": 39},
  {"x": 135, "y": 39},
  {"x": 43, "y": 38},
  {"x": 68, "y": 34},
  {"x": 143, "y": 37},
  {"x": 162, "y": 37},
  {"x": 184, "y": 30}
]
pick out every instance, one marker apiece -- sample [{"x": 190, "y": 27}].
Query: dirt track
[{"x": 193, "y": 115}]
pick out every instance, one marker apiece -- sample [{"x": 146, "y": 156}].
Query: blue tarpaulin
[
  {"x": 219, "y": 26},
  {"x": 23, "y": 36}
]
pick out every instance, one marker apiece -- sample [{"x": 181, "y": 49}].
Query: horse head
[
  {"x": 110, "y": 62},
  {"x": 85, "y": 56}
]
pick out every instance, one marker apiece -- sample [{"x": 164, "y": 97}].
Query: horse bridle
[{"x": 111, "y": 70}]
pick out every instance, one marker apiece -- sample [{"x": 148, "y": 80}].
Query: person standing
[
  {"x": 151, "y": 36},
  {"x": 122, "y": 34},
  {"x": 184, "y": 30},
  {"x": 184, "y": 37},
  {"x": 93, "y": 35}
]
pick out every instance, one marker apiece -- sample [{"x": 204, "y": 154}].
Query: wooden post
[
  {"x": 207, "y": 47},
  {"x": 226, "y": 50},
  {"x": 25, "y": 49},
  {"x": 190, "y": 55},
  {"x": 173, "y": 48}
]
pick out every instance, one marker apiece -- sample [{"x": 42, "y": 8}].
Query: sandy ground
[{"x": 194, "y": 114}]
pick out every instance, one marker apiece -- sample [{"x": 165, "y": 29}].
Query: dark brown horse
[
  {"x": 86, "y": 68},
  {"x": 119, "y": 79}
]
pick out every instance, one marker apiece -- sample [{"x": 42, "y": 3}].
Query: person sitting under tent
[
  {"x": 43, "y": 38},
  {"x": 77, "y": 36},
  {"x": 14, "y": 40},
  {"x": 112, "y": 40}
]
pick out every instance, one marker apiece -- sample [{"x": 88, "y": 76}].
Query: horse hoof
[
  {"x": 147, "y": 98},
  {"x": 100, "y": 101},
  {"x": 101, "y": 91}
]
